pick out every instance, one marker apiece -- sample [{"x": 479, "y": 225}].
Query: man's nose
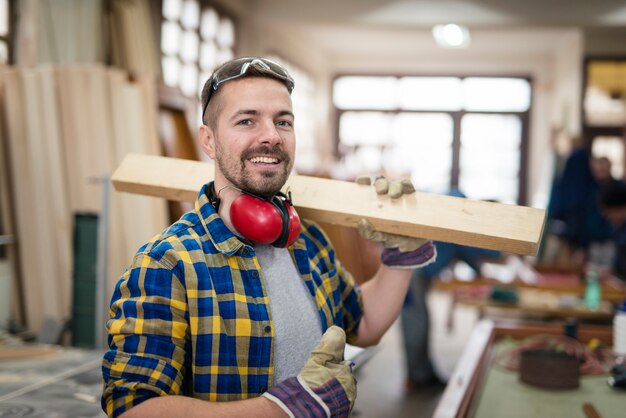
[{"x": 269, "y": 134}]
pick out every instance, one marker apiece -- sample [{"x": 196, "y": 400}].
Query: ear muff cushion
[{"x": 256, "y": 219}]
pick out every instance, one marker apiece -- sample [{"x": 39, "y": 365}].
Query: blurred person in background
[
  {"x": 613, "y": 203},
  {"x": 578, "y": 232},
  {"x": 415, "y": 317}
]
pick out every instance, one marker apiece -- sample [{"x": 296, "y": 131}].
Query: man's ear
[{"x": 207, "y": 140}]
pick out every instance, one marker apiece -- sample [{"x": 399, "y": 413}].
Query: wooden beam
[{"x": 510, "y": 228}]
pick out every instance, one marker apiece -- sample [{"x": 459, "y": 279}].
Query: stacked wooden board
[
  {"x": 66, "y": 31},
  {"x": 134, "y": 41},
  {"x": 66, "y": 129}
]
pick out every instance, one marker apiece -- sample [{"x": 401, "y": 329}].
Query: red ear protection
[{"x": 264, "y": 221}]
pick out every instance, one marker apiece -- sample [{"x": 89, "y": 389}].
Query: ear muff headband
[
  {"x": 263, "y": 221},
  {"x": 280, "y": 202}
]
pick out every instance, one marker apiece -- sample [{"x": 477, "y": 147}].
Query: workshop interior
[{"x": 508, "y": 117}]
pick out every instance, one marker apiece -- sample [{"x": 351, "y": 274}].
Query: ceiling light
[{"x": 451, "y": 36}]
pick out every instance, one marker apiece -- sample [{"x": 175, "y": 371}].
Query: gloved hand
[
  {"x": 399, "y": 251},
  {"x": 325, "y": 387}
]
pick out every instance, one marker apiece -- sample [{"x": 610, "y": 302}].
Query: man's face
[
  {"x": 253, "y": 142},
  {"x": 601, "y": 169},
  {"x": 616, "y": 215}
]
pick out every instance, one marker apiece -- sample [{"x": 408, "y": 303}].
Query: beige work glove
[
  {"x": 325, "y": 387},
  {"x": 399, "y": 251}
]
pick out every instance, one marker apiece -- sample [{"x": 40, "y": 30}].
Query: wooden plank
[
  {"x": 57, "y": 217},
  {"x": 72, "y": 113},
  {"x": 43, "y": 216},
  {"x": 515, "y": 229},
  {"x": 7, "y": 215},
  {"x": 21, "y": 177}
]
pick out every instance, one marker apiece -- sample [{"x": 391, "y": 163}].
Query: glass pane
[
  {"x": 503, "y": 190},
  {"x": 365, "y": 93},
  {"x": 605, "y": 92},
  {"x": 171, "y": 9},
  {"x": 601, "y": 109},
  {"x": 189, "y": 80},
  {"x": 171, "y": 71},
  {"x": 488, "y": 132},
  {"x": 490, "y": 157},
  {"x": 4, "y": 17},
  {"x": 365, "y": 128},
  {"x": 189, "y": 47},
  {"x": 496, "y": 94},
  {"x": 190, "y": 17},
  {"x": 210, "y": 23},
  {"x": 224, "y": 55},
  {"x": 4, "y": 53},
  {"x": 363, "y": 160},
  {"x": 430, "y": 93},
  {"x": 422, "y": 148},
  {"x": 208, "y": 56},
  {"x": 226, "y": 33},
  {"x": 170, "y": 38}
]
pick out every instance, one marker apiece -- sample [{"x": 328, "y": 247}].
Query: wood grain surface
[{"x": 510, "y": 228}]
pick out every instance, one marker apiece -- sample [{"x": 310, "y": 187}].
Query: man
[
  {"x": 573, "y": 213},
  {"x": 205, "y": 314},
  {"x": 415, "y": 317},
  {"x": 613, "y": 203}
]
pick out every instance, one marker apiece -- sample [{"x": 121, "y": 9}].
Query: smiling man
[{"x": 240, "y": 308}]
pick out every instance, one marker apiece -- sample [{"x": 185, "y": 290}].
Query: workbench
[
  {"x": 554, "y": 295},
  {"x": 477, "y": 388}
]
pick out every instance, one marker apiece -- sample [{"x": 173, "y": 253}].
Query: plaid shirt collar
[{"x": 224, "y": 239}]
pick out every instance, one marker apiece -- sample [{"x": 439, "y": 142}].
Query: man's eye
[
  {"x": 244, "y": 122},
  {"x": 284, "y": 123}
]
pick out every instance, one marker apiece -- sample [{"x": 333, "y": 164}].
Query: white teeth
[{"x": 266, "y": 160}]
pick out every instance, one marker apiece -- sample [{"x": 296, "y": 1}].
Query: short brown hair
[{"x": 240, "y": 68}]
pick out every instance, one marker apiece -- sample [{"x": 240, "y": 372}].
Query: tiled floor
[{"x": 381, "y": 379}]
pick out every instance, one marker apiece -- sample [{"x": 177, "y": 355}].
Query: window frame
[{"x": 457, "y": 116}]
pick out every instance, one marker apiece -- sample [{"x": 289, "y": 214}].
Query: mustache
[{"x": 274, "y": 151}]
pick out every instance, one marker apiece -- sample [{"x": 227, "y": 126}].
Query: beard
[{"x": 236, "y": 172}]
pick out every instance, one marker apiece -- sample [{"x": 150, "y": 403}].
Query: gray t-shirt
[{"x": 297, "y": 326}]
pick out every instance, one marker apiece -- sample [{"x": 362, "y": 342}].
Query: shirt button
[
  {"x": 268, "y": 329},
  {"x": 245, "y": 251},
  {"x": 255, "y": 274}
]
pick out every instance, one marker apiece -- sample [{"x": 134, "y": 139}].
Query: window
[
  {"x": 5, "y": 31},
  {"x": 605, "y": 90},
  {"x": 445, "y": 132},
  {"x": 604, "y": 109},
  {"x": 195, "y": 39}
]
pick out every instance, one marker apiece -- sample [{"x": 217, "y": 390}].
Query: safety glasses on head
[{"x": 239, "y": 68}]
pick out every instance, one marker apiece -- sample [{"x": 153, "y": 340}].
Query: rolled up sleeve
[{"x": 148, "y": 329}]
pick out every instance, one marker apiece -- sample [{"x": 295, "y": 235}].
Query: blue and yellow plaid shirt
[{"x": 191, "y": 315}]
